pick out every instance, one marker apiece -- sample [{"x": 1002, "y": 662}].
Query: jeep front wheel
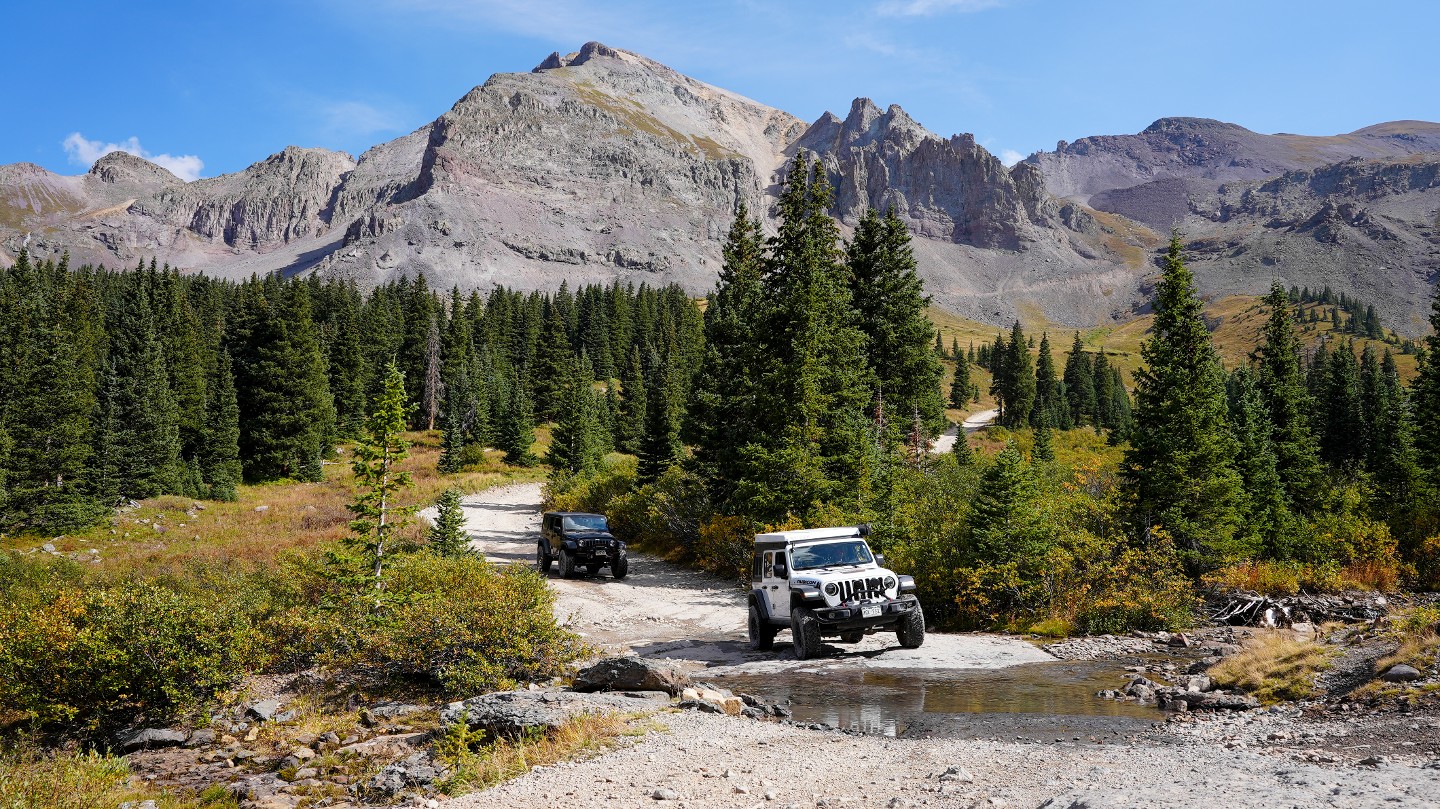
[
  {"x": 911, "y": 629},
  {"x": 804, "y": 633},
  {"x": 567, "y": 565},
  {"x": 542, "y": 558},
  {"x": 762, "y": 634},
  {"x": 620, "y": 568}
]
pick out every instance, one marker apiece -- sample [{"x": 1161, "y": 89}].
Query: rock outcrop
[{"x": 602, "y": 164}]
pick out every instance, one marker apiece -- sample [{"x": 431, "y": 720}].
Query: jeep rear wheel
[
  {"x": 911, "y": 629},
  {"x": 804, "y": 633},
  {"x": 542, "y": 558},
  {"x": 620, "y": 568},
  {"x": 567, "y": 565},
  {"x": 762, "y": 634}
]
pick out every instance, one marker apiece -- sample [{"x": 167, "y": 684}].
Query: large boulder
[
  {"x": 1401, "y": 673},
  {"x": 512, "y": 714},
  {"x": 632, "y": 674},
  {"x": 1207, "y": 701},
  {"x": 151, "y": 738}
]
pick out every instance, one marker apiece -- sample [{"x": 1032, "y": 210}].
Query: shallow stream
[{"x": 1049, "y": 702}]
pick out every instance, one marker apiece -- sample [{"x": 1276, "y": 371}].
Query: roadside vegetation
[{"x": 1275, "y": 667}]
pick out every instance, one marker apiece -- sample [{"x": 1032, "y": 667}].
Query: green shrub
[
  {"x": 115, "y": 655},
  {"x": 458, "y": 622}
]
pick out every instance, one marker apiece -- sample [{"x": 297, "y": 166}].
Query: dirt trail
[
  {"x": 973, "y": 423},
  {"x": 664, "y": 610}
]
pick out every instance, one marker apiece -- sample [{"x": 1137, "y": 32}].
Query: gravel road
[{"x": 702, "y": 760}]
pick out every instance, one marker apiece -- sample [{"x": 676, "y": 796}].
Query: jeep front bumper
[{"x": 851, "y": 618}]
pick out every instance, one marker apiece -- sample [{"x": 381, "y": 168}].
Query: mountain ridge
[{"x": 604, "y": 164}]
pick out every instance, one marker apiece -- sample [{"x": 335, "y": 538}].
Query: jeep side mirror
[
  {"x": 781, "y": 572},
  {"x": 880, "y": 559}
]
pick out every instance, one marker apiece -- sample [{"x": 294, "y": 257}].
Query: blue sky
[{"x": 209, "y": 88}]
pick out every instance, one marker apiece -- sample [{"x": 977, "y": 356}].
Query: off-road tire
[
  {"x": 593, "y": 568},
  {"x": 620, "y": 568},
  {"x": 567, "y": 565},
  {"x": 542, "y": 558},
  {"x": 852, "y": 637},
  {"x": 911, "y": 629},
  {"x": 762, "y": 634},
  {"x": 805, "y": 633}
]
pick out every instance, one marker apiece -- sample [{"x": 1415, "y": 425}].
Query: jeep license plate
[{"x": 869, "y": 612}]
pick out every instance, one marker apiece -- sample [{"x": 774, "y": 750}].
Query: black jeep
[{"x": 579, "y": 540}]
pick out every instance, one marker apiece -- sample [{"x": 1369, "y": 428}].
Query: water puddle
[{"x": 1037, "y": 701}]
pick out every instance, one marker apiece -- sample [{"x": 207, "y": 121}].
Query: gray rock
[
  {"x": 306, "y": 772},
  {"x": 48, "y": 548},
  {"x": 284, "y": 716},
  {"x": 1401, "y": 673},
  {"x": 514, "y": 713},
  {"x": 201, "y": 737},
  {"x": 957, "y": 773},
  {"x": 632, "y": 674},
  {"x": 393, "y": 710},
  {"x": 153, "y": 738},
  {"x": 264, "y": 710},
  {"x": 665, "y": 794}
]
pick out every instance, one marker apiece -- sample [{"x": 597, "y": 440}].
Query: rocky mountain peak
[
  {"x": 1184, "y": 125},
  {"x": 124, "y": 168}
]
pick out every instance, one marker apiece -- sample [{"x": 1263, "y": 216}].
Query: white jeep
[{"x": 824, "y": 582}]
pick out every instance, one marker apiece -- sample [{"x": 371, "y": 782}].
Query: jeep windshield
[
  {"x": 585, "y": 522},
  {"x": 830, "y": 554}
]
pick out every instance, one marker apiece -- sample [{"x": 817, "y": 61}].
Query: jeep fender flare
[
  {"x": 761, "y": 605},
  {"x": 806, "y": 597}
]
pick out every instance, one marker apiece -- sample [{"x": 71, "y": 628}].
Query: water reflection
[{"x": 890, "y": 703}]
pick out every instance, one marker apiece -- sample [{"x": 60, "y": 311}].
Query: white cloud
[
  {"x": 1010, "y": 157},
  {"x": 85, "y": 152},
  {"x": 926, "y": 8}
]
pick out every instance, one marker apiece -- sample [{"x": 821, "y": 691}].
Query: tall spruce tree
[
  {"x": 630, "y": 420},
  {"x": 1017, "y": 380},
  {"x": 1268, "y": 519},
  {"x": 1426, "y": 399},
  {"x": 723, "y": 402},
  {"x": 660, "y": 446},
  {"x": 145, "y": 450},
  {"x": 1048, "y": 401},
  {"x": 961, "y": 386},
  {"x": 578, "y": 441},
  {"x": 220, "y": 455},
  {"x": 1282, "y": 386},
  {"x": 517, "y": 425},
  {"x": 1181, "y": 461},
  {"x": 890, "y": 300},
  {"x": 811, "y": 439},
  {"x": 1079, "y": 383}
]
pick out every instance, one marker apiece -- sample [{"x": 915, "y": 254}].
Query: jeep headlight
[
  {"x": 890, "y": 582},
  {"x": 832, "y": 589}
]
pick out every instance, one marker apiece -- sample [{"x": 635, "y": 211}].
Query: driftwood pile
[{"x": 1253, "y": 609}]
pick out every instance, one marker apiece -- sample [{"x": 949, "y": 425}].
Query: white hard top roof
[{"x": 811, "y": 534}]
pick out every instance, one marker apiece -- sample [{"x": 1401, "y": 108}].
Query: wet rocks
[
  {"x": 632, "y": 674},
  {"x": 511, "y": 714}
]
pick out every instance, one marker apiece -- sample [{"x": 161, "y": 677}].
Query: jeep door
[{"x": 777, "y": 590}]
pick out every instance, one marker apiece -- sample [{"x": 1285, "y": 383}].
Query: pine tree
[
  {"x": 553, "y": 360},
  {"x": 1044, "y": 442},
  {"x": 447, "y": 537},
  {"x": 577, "y": 444},
  {"x": 1005, "y": 524},
  {"x": 377, "y": 455},
  {"x": 517, "y": 425},
  {"x": 1282, "y": 386},
  {"x": 1392, "y": 452},
  {"x": 1343, "y": 442},
  {"x": 961, "y": 385},
  {"x": 1181, "y": 461},
  {"x": 723, "y": 402},
  {"x": 1047, "y": 388},
  {"x": 145, "y": 460},
  {"x": 891, "y": 303},
  {"x": 1017, "y": 380},
  {"x": 1079, "y": 383},
  {"x": 963, "y": 451},
  {"x": 812, "y": 438},
  {"x": 630, "y": 420},
  {"x": 1426, "y": 399},
  {"x": 660, "y": 446},
  {"x": 220, "y": 455},
  {"x": 1267, "y": 511}
]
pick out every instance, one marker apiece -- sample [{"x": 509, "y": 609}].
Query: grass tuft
[{"x": 1274, "y": 668}]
